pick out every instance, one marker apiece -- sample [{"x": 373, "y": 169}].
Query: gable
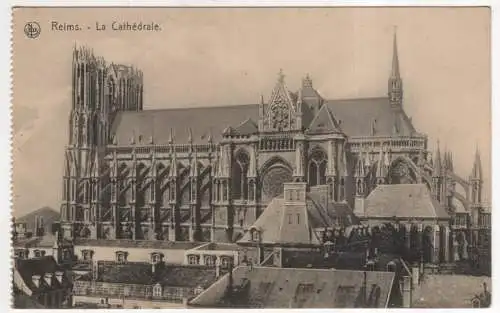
[{"x": 324, "y": 122}]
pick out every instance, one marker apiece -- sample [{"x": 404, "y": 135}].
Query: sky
[{"x": 207, "y": 57}]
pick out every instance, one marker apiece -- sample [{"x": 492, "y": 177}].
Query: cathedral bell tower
[{"x": 98, "y": 91}]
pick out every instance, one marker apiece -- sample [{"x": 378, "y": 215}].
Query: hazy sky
[{"x": 205, "y": 57}]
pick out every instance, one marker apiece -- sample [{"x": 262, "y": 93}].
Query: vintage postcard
[{"x": 251, "y": 157}]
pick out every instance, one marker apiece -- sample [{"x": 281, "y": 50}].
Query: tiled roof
[
  {"x": 39, "y": 266},
  {"x": 203, "y": 122},
  {"x": 403, "y": 201},
  {"x": 141, "y": 273},
  {"x": 125, "y": 243},
  {"x": 355, "y": 117},
  {"x": 268, "y": 287}
]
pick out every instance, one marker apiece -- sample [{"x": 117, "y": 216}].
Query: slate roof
[
  {"x": 141, "y": 273},
  {"x": 269, "y": 287},
  {"x": 274, "y": 228},
  {"x": 202, "y": 121},
  {"x": 355, "y": 117},
  {"x": 449, "y": 291},
  {"x": 22, "y": 301},
  {"x": 39, "y": 266},
  {"x": 125, "y": 243},
  {"x": 403, "y": 201}
]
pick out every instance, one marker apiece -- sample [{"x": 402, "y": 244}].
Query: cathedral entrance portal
[{"x": 273, "y": 180}]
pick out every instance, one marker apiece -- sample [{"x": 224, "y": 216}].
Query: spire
[
  {"x": 360, "y": 167},
  {"x": 95, "y": 171},
  {"x": 190, "y": 135},
  {"x": 381, "y": 169},
  {"x": 281, "y": 77},
  {"x": 395, "y": 58},
  {"x": 173, "y": 165},
  {"x": 450, "y": 161},
  {"x": 477, "y": 171},
  {"x": 307, "y": 81},
  {"x": 437, "y": 162},
  {"x": 210, "y": 140},
  {"x": 194, "y": 165},
  {"x": 395, "y": 82},
  {"x": 171, "y": 138}
]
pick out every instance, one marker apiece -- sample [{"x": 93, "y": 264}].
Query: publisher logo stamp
[{"x": 32, "y": 30}]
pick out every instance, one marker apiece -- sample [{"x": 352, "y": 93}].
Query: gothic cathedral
[{"x": 206, "y": 174}]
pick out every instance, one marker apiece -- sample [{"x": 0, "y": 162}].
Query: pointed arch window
[
  {"x": 65, "y": 189},
  {"x": 240, "y": 176},
  {"x": 317, "y": 168},
  {"x": 95, "y": 191}
]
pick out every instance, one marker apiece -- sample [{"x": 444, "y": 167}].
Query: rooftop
[
  {"x": 275, "y": 225},
  {"x": 141, "y": 273},
  {"x": 266, "y": 287},
  {"x": 40, "y": 266},
  {"x": 403, "y": 201}
]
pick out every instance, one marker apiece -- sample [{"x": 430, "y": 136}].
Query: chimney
[
  {"x": 59, "y": 276},
  {"x": 416, "y": 276},
  {"x": 295, "y": 193},
  {"x": 406, "y": 291},
  {"x": 230, "y": 280},
  {"x": 95, "y": 270},
  {"x": 217, "y": 268},
  {"x": 36, "y": 280},
  {"x": 48, "y": 278},
  {"x": 41, "y": 226},
  {"x": 35, "y": 228}
]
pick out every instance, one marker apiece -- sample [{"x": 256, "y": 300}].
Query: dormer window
[
  {"x": 225, "y": 261},
  {"x": 157, "y": 290},
  {"x": 121, "y": 256},
  {"x": 193, "y": 259},
  {"x": 198, "y": 290},
  {"x": 87, "y": 255},
  {"x": 37, "y": 253},
  {"x": 22, "y": 253},
  {"x": 209, "y": 260},
  {"x": 156, "y": 257},
  {"x": 255, "y": 235}
]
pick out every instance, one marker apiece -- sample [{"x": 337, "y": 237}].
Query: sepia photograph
[{"x": 330, "y": 157}]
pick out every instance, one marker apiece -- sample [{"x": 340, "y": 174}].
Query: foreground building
[
  {"x": 42, "y": 282},
  {"x": 135, "y": 285},
  {"x": 267, "y": 287}
]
